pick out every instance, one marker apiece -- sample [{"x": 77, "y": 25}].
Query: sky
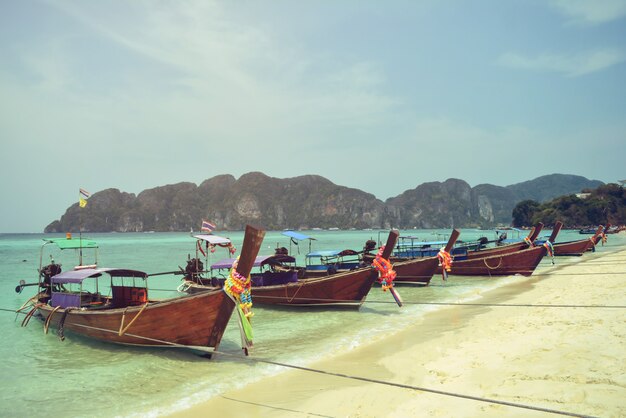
[{"x": 377, "y": 95}]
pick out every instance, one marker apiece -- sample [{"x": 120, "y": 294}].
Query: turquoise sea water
[{"x": 43, "y": 376}]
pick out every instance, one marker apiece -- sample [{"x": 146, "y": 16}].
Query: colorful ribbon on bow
[
  {"x": 529, "y": 242},
  {"x": 593, "y": 244},
  {"x": 238, "y": 287},
  {"x": 386, "y": 273},
  {"x": 549, "y": 249},
  {"x": 445, "y": 261}
]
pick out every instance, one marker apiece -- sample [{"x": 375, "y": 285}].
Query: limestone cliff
[{"x": 306, "y": 202}]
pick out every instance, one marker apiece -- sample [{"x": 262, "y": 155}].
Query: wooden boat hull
[
  {"x": 416, "y": 271},
  {"x": 488, "y": 252},
  {"x": 341, "y": 289},
  {"x": 505, "y": 249},
  {"x": 574, "y": 248},
  {"x": 192, "y": 320},
  {"x": 521, "y": 262}
]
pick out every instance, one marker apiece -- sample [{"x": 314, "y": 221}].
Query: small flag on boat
[
  {"x": 83, "y": 195},
  {"x": 207, "y": 226}
]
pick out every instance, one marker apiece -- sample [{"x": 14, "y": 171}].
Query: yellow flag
[{"x": 83, "y": 195}]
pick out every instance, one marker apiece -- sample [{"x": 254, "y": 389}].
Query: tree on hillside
[
  {"x": 524, "y": 211},
  {"x": 606, "y": 204}
]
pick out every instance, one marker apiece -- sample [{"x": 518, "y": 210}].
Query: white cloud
[
  {"x": 572, "y": 65},
  {"x": 591, "y": 11},
  {"x": 234, "y": 68}
]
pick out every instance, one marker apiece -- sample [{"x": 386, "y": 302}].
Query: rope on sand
[
  {"x": 347, "y": 376},
  {"x": 509, "y": 305},
  {"x": 411, "y": 387},
  {"x": 277, "y": 408}
]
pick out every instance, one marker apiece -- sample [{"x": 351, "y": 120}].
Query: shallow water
[{"x": 43, "y": 376}]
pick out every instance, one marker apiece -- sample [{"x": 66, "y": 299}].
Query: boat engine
[
  {"x": 193, "y": 269},
  {"x": 47, "y": 272},
  {"x": 281, "y": 251},
  {"x": 370, "y": 245}
]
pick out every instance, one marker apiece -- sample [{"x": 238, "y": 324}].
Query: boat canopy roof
[
  {"x": 508, "y": 228},
  {"x": 297, "y": 235},
  {"x": 71, "y": 243},
  {"x": 260, "y": 260},
  {"x": 332, "y": 253},
  {"x": 77, "y": 276},
  {"x": 424, "y": 243},
  {"x": 212, "y": 239}
]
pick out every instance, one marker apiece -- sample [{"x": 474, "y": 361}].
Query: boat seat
[{"x": 123, "y": 296}]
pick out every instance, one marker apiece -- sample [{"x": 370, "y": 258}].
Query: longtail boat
[
  {"x": 462, "y": 251},
  {"x": 602, "y": 238},
  {"x": 128, "y": 316},
  {"x": 421, "y": 270},
  {"x": 324, "y": 262},
  {"x": 522, "y": 262},
  {"x": 343, "y": 289},
  {"x": 527, "y": 242},
  {"x": 579, "y": 247}
]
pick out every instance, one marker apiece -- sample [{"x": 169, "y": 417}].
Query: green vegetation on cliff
[{"x": 606, "y": 204}]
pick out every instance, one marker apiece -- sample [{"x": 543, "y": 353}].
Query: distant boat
[
  {"x": 523, "y": 262},
  {"x": 579, "y": 247}
]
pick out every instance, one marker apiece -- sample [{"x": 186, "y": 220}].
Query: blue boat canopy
[
  {"x": 423, "y": 243},
  {"x": 297, "y": 235},
  {"x": 77, "y": 276},
  {"x": 324, "y": 253}
]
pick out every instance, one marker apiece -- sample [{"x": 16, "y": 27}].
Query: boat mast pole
[
  {"x": 80, "y": 236},
  {"x": 80, "y": 248}
]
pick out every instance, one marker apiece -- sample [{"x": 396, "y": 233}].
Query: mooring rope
[
  {"x": 505, "y": 305},
  {"x": 277, "y": 408},
  {"x": 352, "y": 377},
  {"x": 370, "y": 380},
  {"x": 576, "y": 274},
  {"x": 405, "y": 386}
]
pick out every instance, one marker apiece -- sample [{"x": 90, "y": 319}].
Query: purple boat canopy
[
  {"x": 77, "y": 276},
  {"x": 260, "y": 260}
]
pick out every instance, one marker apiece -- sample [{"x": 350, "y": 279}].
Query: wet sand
[{"x": 570, "y": 359}]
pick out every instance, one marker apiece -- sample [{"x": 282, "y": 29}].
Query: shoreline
[{"x": 566, "y": 359}]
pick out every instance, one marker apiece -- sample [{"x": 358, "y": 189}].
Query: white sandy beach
[{"x": 570, "y": 359}]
